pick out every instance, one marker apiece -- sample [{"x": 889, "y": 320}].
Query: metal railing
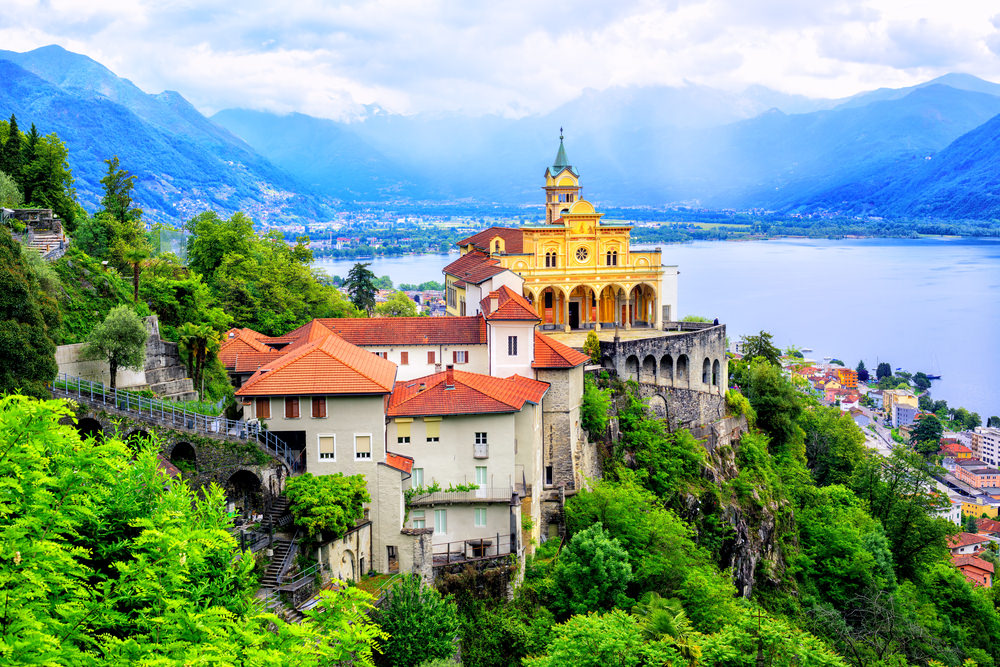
[
  {"x": 477, "y": 548},
  {"x": 286, "y": 562},
  {"x": 482, "y": 494},
  {"x": 480, "y": 450},
  {"x": 167, "y": 412}
]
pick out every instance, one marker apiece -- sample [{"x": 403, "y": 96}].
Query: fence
[
  {"x": 169, "y": 414},
  {"x": 477, "y": 548},
  {"x": 481, "y": 495}
]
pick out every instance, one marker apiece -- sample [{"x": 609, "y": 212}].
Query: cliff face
[{"x": 756, "y": 515}]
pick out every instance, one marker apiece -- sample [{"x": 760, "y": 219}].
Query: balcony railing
[
  {"x": 485, "y": 494},
  {"x": 481, "y": 450},
  {"x": 478, "y": 548}
]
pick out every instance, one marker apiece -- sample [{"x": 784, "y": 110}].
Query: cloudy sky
[{"x": 513, "y": 58}]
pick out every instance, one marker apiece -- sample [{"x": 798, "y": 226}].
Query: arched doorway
[
  {"x": 184, "y": 457},
  {"x": 681, "y": 374},
  {"x": 137, "y": 437},
  {"x": 648, "y": 371},
  {"x": 667, "y": 369},
  {"x": 706, "y": 372},
  {"x": 632, "y": 368},
  {"x": 716, "y": 373},
  {"x": 243, "y": 489},
  {"x": 658, "y": 405},
  {"x": 90, "y": 428}
]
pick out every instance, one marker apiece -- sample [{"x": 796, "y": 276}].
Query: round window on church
[{"x": 581, "y": 254}]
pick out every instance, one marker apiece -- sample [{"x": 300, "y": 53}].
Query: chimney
[{"x": 449, "y": 378}]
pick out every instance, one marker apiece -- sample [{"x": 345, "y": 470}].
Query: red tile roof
[
  {"x": 988, "y": 525},
  {"x": 399, "y": 462},
  {"x": 974, "y": 568},
  {"x": 327, "y": 366},
  {"x": 952, "y": 448},
  {"x": 249, "y": 362},
  {"x": 965, "y": 539},
  {"x": 241, "y": 341},
  {"x": 550, "y": 353},
  {"x": 513, "y": 239},
  {"x": 470, "y": 393},
  {"x": 474, "y": 267},
  {"x": 407, "y": 330},
  {"x": 510, "y": 306}
]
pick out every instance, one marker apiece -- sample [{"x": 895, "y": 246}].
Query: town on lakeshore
[{"x": 539, "y": 441}]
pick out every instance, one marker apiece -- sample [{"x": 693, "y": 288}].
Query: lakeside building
[
  {"x": 985, "y": 444},
  {"x": 578, "y": 271}
]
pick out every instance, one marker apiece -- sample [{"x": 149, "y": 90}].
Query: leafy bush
[
  {"x": 592, "y": 573},
  {"x": 421, "y": 624},
  {"x": 594, "y": 409},
  {"x": 327, "y": 503}
]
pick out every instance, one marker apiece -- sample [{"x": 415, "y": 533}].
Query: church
[{"x": 578, "y": 271}]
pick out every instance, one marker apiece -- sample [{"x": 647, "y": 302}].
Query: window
[
  {"x": 418, "y": 477},
  {"x": 291, "y": 407},
  {"x": 418, "y": 518},
  {"x": 328, "y": 447},
  {"x": 362, "y": 446},
  {"x": 612, "y": 258},
  {"x": 452, "y": 297},
  {"x": 481, "y": 476},
  {"x": 512, "y": 346},
  {"x": 384, "y": 355},
  {"x": 460, "y": 356},
  {"x": 403, "y": 432},
  {"x": 582, "y": 254},
  {"x": 430, "y": 357},
  {"x": 404, "y": 358},
  {"x": 496, "y": 247},
  {"x": 319, "y": 407},
  {"x": 479, "y": 517},
  {"x": 480, "y": 437},
  {"x": 548, "y": 299},
  {"x": 263, "y": 408},
  {"x": 548, "y": 475},
  {"x": 550, "y": 259},
  {"x": 433, "y": 427},
  {"x": 440, "y": 522}
]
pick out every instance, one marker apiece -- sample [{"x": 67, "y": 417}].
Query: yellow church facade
[{"x": 578, "y": 272}]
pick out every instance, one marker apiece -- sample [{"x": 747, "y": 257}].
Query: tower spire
[{"x": 561, "y": 160}]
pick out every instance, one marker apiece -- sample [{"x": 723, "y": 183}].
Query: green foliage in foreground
[
  {"x": 105, "y": 561},
  {"x": 327, "y": 503},
  {"x": 421, "y": 624}
]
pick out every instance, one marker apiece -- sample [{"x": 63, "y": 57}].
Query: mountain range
[{"x": 922, "y": 151}]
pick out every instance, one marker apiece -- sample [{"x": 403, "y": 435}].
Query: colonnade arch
[{"x": 589, "y": 306}]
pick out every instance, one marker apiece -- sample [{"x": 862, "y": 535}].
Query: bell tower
[{"x": 562, "y": 185}]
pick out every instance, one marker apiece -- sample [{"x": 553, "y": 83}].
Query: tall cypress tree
[{"x": 11, "y": 157}]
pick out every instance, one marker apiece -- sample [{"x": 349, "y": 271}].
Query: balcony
[
  {"x": 481, "y": 450},
  {"x": 485, "y": 494}
]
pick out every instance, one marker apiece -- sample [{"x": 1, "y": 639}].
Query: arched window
[
  {"x": 496, "y": 247},
  {"x": 550, "y": 259},
  {"x": 612, "y": 258}
]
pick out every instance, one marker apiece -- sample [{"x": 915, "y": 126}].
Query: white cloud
[{"x": 514, "y": 58}]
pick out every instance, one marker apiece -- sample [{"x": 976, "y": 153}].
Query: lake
[{"x": 929, "y": 305}]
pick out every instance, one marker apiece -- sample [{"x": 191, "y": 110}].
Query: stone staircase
[
  {"x": 280, "y": 548},
  {"x": 45, "y": 242},
  {"x": 277, "y": 514}
]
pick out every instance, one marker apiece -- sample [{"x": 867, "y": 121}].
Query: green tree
[
  {"x": 993, "y": 422},
  {"x": 11, "y": 157},
  {"x": 900, "y": 492},
  {"x": 599, "y": 640},
  {"x": 327, "y": 503},
  {"x": 211, "y": 239},
  {"x": 862, "y": 371},
  {"x": 421, "y": 624},
  {"x": 926, "y": 435},
  {"x": 591, "y": 574},
  {"x": 664, "y": 619},
  {"x": 135, "y": 257},
  {"x": 884, "y": 370},
  {"x": 595, "y": 409},
  {"x": 397, "y": 305},
  {"x": 776, "y": 403},
  {"x": 118, "y": 185},
  {"x": 834, "y": 444},
  {"x": 921, "y": 381},
  {"x": 46, "y": 179},
  {"x": 592, "y": 347},
  {"x": 121, "y": 339},
  {"x": 26, "y": 345},
  {"x": 360, "y": 285},
  {"x": 760, "y": 346},
  {"x": 198, "y": 343},
  {"x": 10, "y": 194}
]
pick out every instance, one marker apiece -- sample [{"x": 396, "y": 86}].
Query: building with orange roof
[
  {"x": 966, "y": 543},
  {"x": 979, "y": 572},
  {"x": 848, "y": 378},
  {"x": 578, "y": 271}
]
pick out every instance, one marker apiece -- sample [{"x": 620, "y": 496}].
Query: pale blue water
[{"x": 926, "y": 304}]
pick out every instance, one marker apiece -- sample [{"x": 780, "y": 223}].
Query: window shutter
[
  {"x": 433, "y": 428},
  {"x": 454, "y": 356},
  {"x": 363, "y": 446},
  {"x": 263, "y": 408},
  {"x": 291, "y": 408},
  {"x": 402, "y": 429},
  {"x": 327, "y": 447},
  {"x": 319, "y": 407},
  {"x": 404, "y": 358},
  {"x": 430, "y": 357}
]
